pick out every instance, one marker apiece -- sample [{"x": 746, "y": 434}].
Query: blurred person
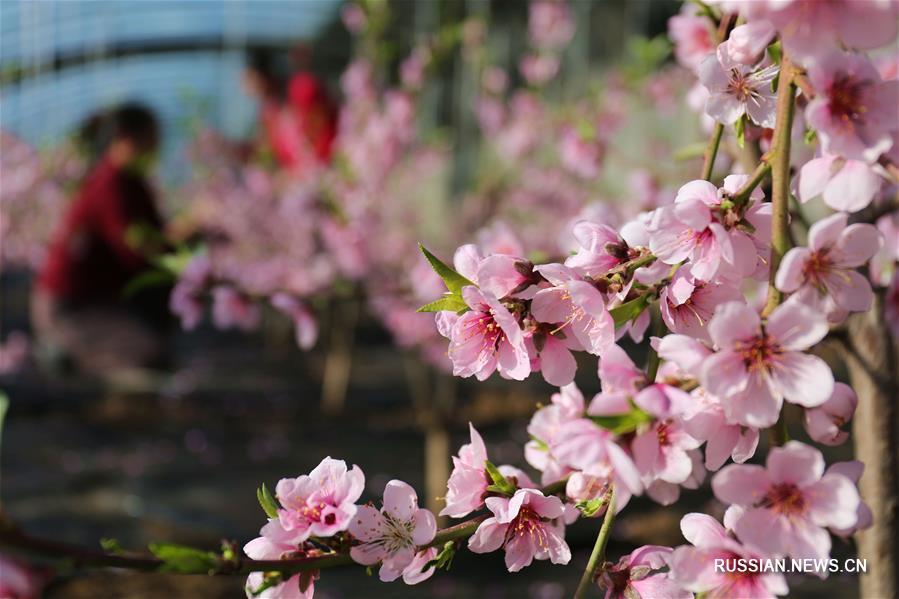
[
  {"x": 106, "y": 238},
  {"x": 309, "y": 98},
  {"x": 298, "y": 122}
]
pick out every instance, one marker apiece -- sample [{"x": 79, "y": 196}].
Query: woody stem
[{"x": 780, "y": 180}]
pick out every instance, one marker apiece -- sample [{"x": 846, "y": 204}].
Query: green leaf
[
  {"x": 184, "y": 560},
  {"x": 810, "y": 136},
  {"x": 454, "y": 281},
  {"x": 111, "y": 545},
  {"x": 448, "y": 303},
  {"x": 621, "y": 424},
  {"x": 775, "y": 52},
  {"x": 740, "y": 128},
  {"x": 593, "y": 507},
  {"x": 500, "y": 484},
  {"x": 267, "y": 501},
  {"x": 444, "y": 559},
  {"x": 629, "y": 310},
  {"x": 146, "y": 280},
  {"x": 541, "y": 444},
  {"x": 269, "y": 580},
  {"x": 176, "y": 262}
]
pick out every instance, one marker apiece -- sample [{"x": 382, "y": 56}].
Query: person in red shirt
[
  {"x": 309, "y": 99},
  {"x": 106, "y": 236},
  {"x": 297, "y": 118}
]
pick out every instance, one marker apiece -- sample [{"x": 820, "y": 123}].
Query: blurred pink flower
[
  {"x": 232, "y": 309},
  {"x": 848, "y": 185},
  {"x": 824, "y": 424},
  {"x": 692, "y": 37},
  {"x": 853, "y": 112},
  {"x": 694, "y": 567},
  {"x": 641, "y": 573}
]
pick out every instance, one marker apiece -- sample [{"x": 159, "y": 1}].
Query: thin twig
[
  {"x": 598, "y": 556},
  {"x": 711, "y": 150}
]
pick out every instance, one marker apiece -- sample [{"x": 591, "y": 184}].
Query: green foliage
[
  {"x": 629, "y": 311},
  {"x": 740, "y": 129},
  {"x": 147, "y": 280},
  {"x": 645, "y": 56},
  {"x": 269, "y": 580},
  {"x": 185, "y": 560},
  {"x": 593, "y": 507},
  {"x": 622, "y": 424},
  {"x": 110, "y": 545},
  {"x": 452, "y": 299},
  {"x": 500, "y": 484},
  {"x": 444, "y": 559},
  {"x": 267, "y": 501}
]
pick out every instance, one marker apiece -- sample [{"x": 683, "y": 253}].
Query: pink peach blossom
[
  {"x": 527, "y": 525},
  {"x": 808, "y": 28},
  {"x": 789, "y": 504},
  {"x": 827, "y": 267},
  {"x": 843, "y": 184},
  {"x": 689, "y": 229},
  {"x": 687, "y": 303},
  {"x": 705, "y": 420},
  {"x": 661, "y": 452},
  {"x": 756, "y": 367},
  {"x": 232, "y": 309},
  {"x": 305, "y": 326},
  {"x": 550, "y": 25},
  {"x": 567, "y": 405},
  {"x": 487, "y": 338},
  {"x": 277, "y": 543},
  {"x": 692, "y": 37},
  {"x": 852, "y": 470},
  {"x": 600, "y": 249},
  {"x": 393, "y": 535},
  {"x": 578, "y": 154},
  {"x": 467, "y": 485},
  {"x": 693, "y": 567},
  {"x": 854, "y": 112},
  {"x": 736, "y": 90},
  {"x": 641, "y": 573},
  {"x": 747, "y": 43},
  {"x": 582, "y": 445},
  {"x": 824, "y": 424},
  {"x": 575, "y": 307},
  {"x": 321, "y": 503}
]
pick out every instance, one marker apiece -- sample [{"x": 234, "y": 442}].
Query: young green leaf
[
  {"x": 267, "y": 501},
  {"x": 629, "y": 310},
  {"x": 184, "y": 560},
  {"x": 500, "y": 484},
  {"x": 448, "y": 303},
  {"x": 454, "y": 281},
  {"x": 740, "y": 128},
  {"x": 622, "y": 424}
]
